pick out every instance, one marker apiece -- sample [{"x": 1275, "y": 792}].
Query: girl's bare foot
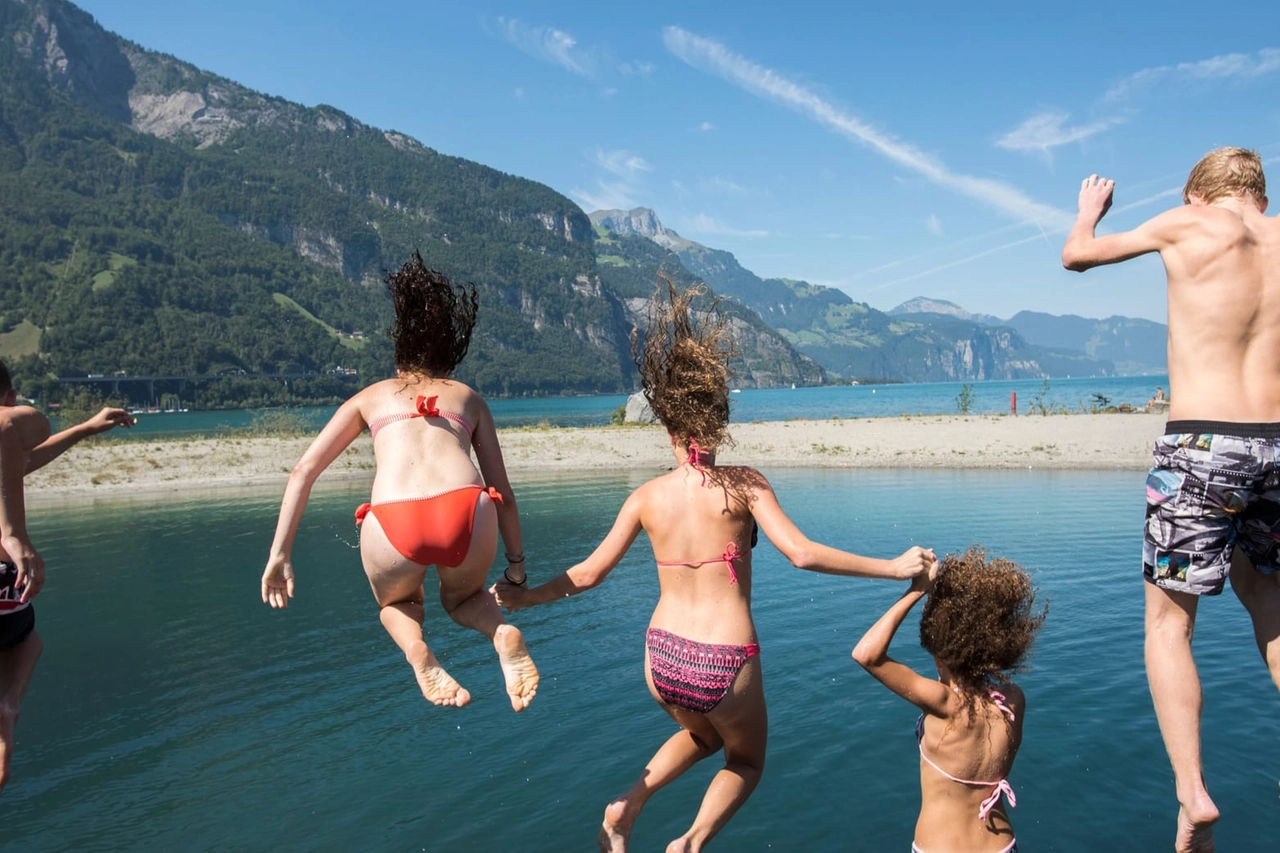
[
  {"x": 517, "y": 667},
  {"x": 1195, "y": 827},
  {"x": 437, "y": 686},
  {"x": 615, "y": 832}
]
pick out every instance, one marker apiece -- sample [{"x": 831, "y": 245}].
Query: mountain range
[
  {"x": 922, "y": 339},
  {"x": 160, "y": 219}
]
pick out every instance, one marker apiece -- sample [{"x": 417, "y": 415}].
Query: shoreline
[{"x": 156, "y": 469}]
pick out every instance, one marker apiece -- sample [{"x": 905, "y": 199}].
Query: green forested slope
[{"x": 128, "y": 252}]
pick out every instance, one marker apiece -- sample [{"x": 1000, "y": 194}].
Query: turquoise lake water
[
  {"x": 774, "y": 404},
  {"x": 173, "y": 711}
]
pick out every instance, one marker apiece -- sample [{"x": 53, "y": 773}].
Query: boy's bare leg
[
  {"x": 1260, "y": 595},
  {"x": 696, "y": 740},
  {"x": 742, "y": 722},
  {"x": 465, "y": 596},
  {"x": 1175, "y": 690},
  {"x": 16, "y": 667},
  {"x": 397, "y": 586}
]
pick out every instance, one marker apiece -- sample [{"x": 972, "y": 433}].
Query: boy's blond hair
[{"x": 1226, "y": 172}]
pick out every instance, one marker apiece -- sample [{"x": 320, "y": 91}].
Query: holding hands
[
  {"x": 924, "y": 581},
  {"x": 914, "y": 563},
  {"x": 512, "y": 597}
]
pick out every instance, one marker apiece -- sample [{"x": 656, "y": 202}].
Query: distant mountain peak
[
  {"x": 641, "y": 222},
  {"x": 928, "y": 305}
]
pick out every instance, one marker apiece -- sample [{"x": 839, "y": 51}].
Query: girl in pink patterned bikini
[
  {"x": 701, "y": 653},
  {"x": 429, "y": 506},
  {"x": 978, "y": 623}
]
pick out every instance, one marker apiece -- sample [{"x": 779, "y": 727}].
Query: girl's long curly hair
[
  {"x": 979, "y": 620},
  {"x": 684, "y": 365},
  {"x": 434, "y": 319}
]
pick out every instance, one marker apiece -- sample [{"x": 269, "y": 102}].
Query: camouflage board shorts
[{"x": 1212, "y": 486}]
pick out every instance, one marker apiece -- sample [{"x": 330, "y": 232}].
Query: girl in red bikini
[
  {"x": 979, "y": 625},
  {"x": 702, "y": 657},
  {"x": 430, "y": 506}
]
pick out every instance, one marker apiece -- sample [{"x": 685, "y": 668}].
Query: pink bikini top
[
  {"x": 1002, "y": 788},
  {"x": 730, "y": 554},
  {"x": 426, "y": 409},
  {"x": 731, "y": 551}
]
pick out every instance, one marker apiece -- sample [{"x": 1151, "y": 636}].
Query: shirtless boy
[
  {"x": 25, "y": 445},
  {"x": 1213, "y": 494}
]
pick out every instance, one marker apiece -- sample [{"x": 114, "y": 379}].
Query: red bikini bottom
[{"x": 434, "y": 530}]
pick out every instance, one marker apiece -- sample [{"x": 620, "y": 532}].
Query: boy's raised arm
[{"x": 1085, "y": 250}]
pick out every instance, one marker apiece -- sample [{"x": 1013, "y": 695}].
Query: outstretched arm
[
  {"x": 1085, "y": 250},
  {"x": 804, "y": 553},
  {"x": 589, "y": 573},
  {"x": 342, "y": 429},
  {"x": 872, "y": 654},
  {"x": 60, "y": 443},
  {"x": 494, "y": 471}
]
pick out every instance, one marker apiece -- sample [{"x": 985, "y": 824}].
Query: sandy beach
[{"x": 105, "y": 467}]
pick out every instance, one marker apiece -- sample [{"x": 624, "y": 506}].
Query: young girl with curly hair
[
  {"x": 978, "y": 623},
  {"x": 429, "y": 506},
  {"x": 702, "y": 657}
]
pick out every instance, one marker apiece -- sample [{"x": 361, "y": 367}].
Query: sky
[{"x": 889, "y": 150}]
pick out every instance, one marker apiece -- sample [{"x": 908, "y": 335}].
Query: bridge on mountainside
[{"x": 115, "y": 380}]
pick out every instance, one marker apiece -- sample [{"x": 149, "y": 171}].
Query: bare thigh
[
  {"x": 741, "y": 719},
  {"x": 460, "y": 582},
  {"x": 393, "y": 577}
]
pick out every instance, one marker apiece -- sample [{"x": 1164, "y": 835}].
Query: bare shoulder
[
  {"x": 744, "y": 476},
  {"x": 1178, "y": 221},
  {"x": 1013, "y": 696},
  {"x": 469, "y": 400},
  {"x": 648, "y": 494}
]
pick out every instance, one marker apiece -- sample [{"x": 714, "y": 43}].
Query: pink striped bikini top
[
  {"x": 426, "y": 408},
  {"x": 1002, "y": 787}
]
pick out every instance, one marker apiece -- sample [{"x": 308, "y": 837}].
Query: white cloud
[
  {"x": 519, "y": 92},
  {"x": 722, "y": 185},
  {"x": 627, "y": 69},
  {"x": 607, "y": 195},
  {"x": 706, "y": 126},
  {"x": 704, "y": 224},
  {"x": 619, "y": 184},
  {"x": 551, "y": 45},
  {"x": 1047, "y": 130},
  {"x": 621, "y": 163},
  {"x": 934, "y": 224},
  {"x": 1229, "y": 66},
  {"x": 713, "y": 57}
]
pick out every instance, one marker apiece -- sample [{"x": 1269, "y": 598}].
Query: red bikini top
[{"x": 426, "y": 409}]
